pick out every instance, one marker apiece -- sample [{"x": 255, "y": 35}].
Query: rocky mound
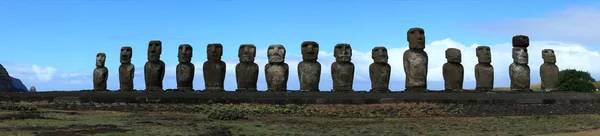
[{"x": 7, "y": 83}]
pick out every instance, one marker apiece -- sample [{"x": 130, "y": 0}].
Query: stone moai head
[
  {"x": 416, "y": 38},
  {"x": 548, "y": 56},
  {"x": 453, "y": 55},
  {"x": 379, "y": 54},
  {"x": 310, "y": 50},
  {"x": 126, "y": 53},
  {"x": 100, "y": 59},
  {"x": 184, "y": 53},
  {"x": 520, "y": 41},
  {"x": 342, "y": 52},
  {"x": 214, "y": 51},
  {"x": 154, "y": 50},
  {"x": 520, "y": 55},
  {"x": 247, "y": 53},
  {"x": 484, "y": 54},
  {"x": 276, "y": 53}
]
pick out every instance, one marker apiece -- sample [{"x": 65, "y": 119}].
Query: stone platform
[{"x": 306, "y": 97}]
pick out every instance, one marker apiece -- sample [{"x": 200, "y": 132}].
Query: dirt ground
[{"x": 49, "y": 122}]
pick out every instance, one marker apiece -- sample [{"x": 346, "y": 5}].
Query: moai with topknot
[
  {"x": 415, "y": 61},
  {"x": 484, "y": 71},
  {"x": 453, "y": 71},
  {"x": 380, "y": 70},
  {"x": 519, "y": 70},
  {"x": 309, "y": 69},
  {"x": 342, "y": 70},
  {"x": 246, "y": 72},
  {"x": 214, "y": 68},
  {"x": 126, "y": 69},
  {"x": 154, "y": 69},
  {"x": 100, "y": 73},
  {"x": 276, "y": 71},
  {"x": 185, "y": 69},
  {"x": 549, "y": 71}
]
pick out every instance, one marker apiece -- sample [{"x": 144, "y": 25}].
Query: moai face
[
  {"x": 247, "y": 52},
  {"x": 342, "y": 52},
  {"x": 126, "y": 53},
  {"x": 484, "y": 54},
  {"x": 520, "y": 41},
  {"x": 416, "y": 38},
  {"x": 276, "y": 53},
  {"x": 379, "y": 55},
  {"x": 184, "y": 53},
  {"x": 154, "y": 50},
  {"x": 453, "y": 55},
  {"x": 310, "y": 50},
  {"x": 520, "y": 55},
  {"x": 100, "y": 59},
  {"x": 548, "y": 56},
  {"x": 214, "y": 51}
]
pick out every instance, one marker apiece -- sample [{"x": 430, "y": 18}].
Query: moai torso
[
  {"x": 380, "y": 70},
  {"x": 342, "y": 70},
  {"x": 519, "y": 70},
  {"x": 309, "y": 69},
  {"x": 100, "y": 73},
  {"x": 415, "y": 61},
  {"x": 126, "y": 69},
  {"x": 484, "y": 71},
  {"x": 154, "y": 69},
  {"x": 277, "y": 71},
  {"x": 453, "y": 71},
  {"x": 214, "y": 68},
  {"x": 246, "y": 72},
  {"x": 185, "y": 69},
  {"x": 549, "y": 71}
]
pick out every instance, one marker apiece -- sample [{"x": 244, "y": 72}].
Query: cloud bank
[{"x": 569, "y": 55}]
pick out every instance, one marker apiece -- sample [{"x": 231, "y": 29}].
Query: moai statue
[
  {"x": 453, "y": 71},
  {"x": 185, "y": 69},
  {"x": 154, "y": 69},
  {"x": 214, "y": 68},
  {"x": 549, "y": 71},
  {"x": 309, "y": 69},
  {"x": 484, "y": 71},
  {"x": 519, "y": 70},
  {"x": 342, "y": 70},
  {"x": 380, "y": 70},
  {"x": 32, "y": 89},
  {"x": 100, "y": 73},
  {"x": 276, "y": 71},
  {"x": 246, "y": 72},
  {"x": 415, "y": 61},
  {"x": 126, "y": 69}
]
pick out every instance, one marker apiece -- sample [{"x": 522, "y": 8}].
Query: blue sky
[{"x": 52, "y": 44}]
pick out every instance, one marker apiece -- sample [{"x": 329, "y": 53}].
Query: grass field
[{"x": 48, "y": 122}]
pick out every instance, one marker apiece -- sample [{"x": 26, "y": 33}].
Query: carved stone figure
[
  {"x": 246, "y": 72},
  {"x": 415, "y": 61},
  {"x": 185, "y": 69},
  {"x": 154, "y": 69},
  {"x": 484, "y": 71},
  {"x": 309, "y": 69},
  {"x": 453, "y": 71},
  {"x": 126, "y": 69},
  {"x": 342, "y": 70},
  {"x": 549, "y": 71},
  {"x": 214, "y": 68},
  {"x": 380, "y": 70},
  {"x": 519, "y": 70},
  {"x": 276, "y": 71},
  {"x": 100, "y": 73},
  {"x": 32, "y": 89}
]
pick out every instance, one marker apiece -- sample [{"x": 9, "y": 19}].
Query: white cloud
[
  {"x": 569, "y": 55},
  {"x": 574, "y": 24}
]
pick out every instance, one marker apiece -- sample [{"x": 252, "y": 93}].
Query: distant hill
[{"x": 537, "y": 87}]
